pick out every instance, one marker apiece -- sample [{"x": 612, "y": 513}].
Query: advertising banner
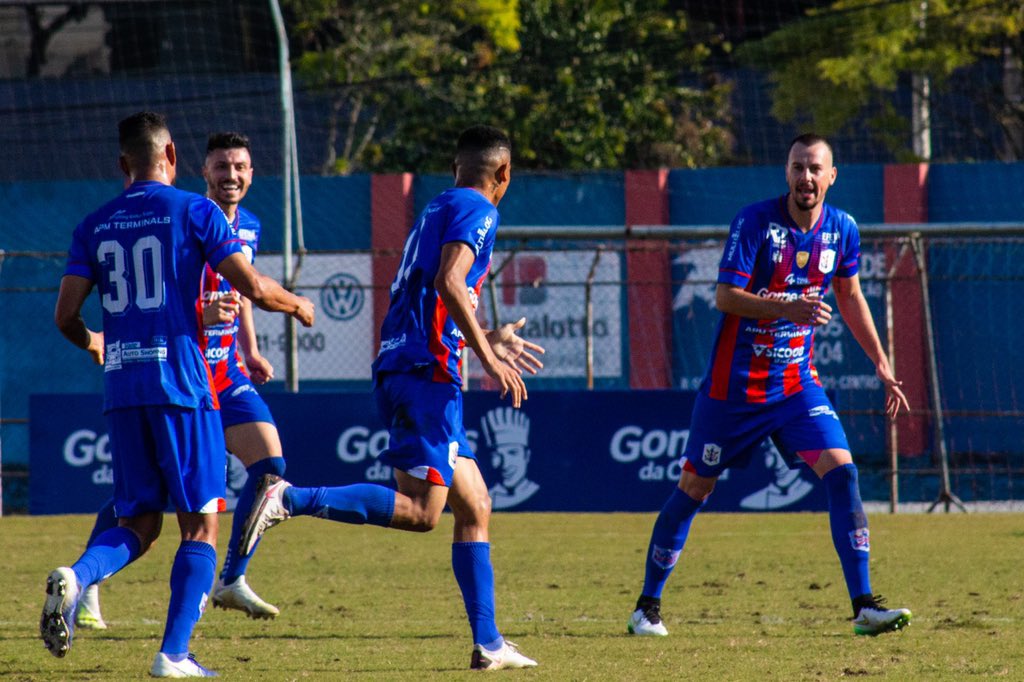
[
  {"x": 340, "y": 345},
  {"x": 564, "y": 451},
  {"x": 548, "y": 288}
]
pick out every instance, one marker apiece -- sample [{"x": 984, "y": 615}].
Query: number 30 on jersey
[{"x": 145, "y": 275}]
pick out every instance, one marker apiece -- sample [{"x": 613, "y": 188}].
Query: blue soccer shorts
[
  {"x": 240, "y": 403},
  {"x": 167, "y": 452},
  {"x": 726, "y": 434},
  {"x": 424, "y": 419}
]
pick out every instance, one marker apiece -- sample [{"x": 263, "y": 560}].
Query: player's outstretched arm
[
  {"x": 857, "y": 316},
  {"x": 263, "y": 291},
  {"x": 514, "y": 350},
  {"x": 456, "y": 260},
  {"x": 68, "y": 316}
]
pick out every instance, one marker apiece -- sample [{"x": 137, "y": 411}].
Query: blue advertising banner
[{"x": 564, "y": 451}]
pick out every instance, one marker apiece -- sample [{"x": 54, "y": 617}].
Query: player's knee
[
  {"x": 697, "y": 487},
  {"x": 424, "y": 521}
]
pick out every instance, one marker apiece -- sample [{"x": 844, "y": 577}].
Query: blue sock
[
  {"x": 358, "y": 503},
  {"x": 471, "y": 562},
  {"x": 667, "y": 540},
  {"x": 107, "y": 554},
  {"x": 234, "y": 563},
  {"x": 849, "y": 527},
  {"x": 105, "y": 520},
  {"x": 191, "y": 579}
]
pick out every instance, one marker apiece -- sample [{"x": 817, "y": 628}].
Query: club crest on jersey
[
  {"x": 712, "y": 454},
  {"x": 827, "y": 260},
  {"x": 801, "y": 258}
]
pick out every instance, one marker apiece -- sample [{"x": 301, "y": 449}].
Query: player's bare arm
[
  {"x": 260, "y": 369},
  {"x": 513, "y": 349},
  {"x": 456, "y": 260},
  {"x": 68, "y": 316},
  {"x": 857, "y": 315},
  {"x": 263, "y": 291},
  {"x": 806, "y": 310}
]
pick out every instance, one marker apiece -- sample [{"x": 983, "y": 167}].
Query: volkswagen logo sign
[{"x": 342, "y": 297}]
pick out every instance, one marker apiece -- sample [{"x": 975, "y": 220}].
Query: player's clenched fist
[
  {"x": 304, "y": 311},
  {"x": 221, "y": 310},
  {"x": 809, "y": 310}
]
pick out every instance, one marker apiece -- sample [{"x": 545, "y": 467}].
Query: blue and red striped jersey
[
  {"x": 145, "y": 251},
  {"x": 763, "y": 361},
  {"x": 417, "y": 330},
  {"x": 218, "y": 341}
]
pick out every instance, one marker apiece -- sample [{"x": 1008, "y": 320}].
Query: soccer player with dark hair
[
  {"x": 145, "y": 251},
  {"x": 417, "y": 388},
  {"x": 780, "y": 258},
  {"x": 249, "y": 429}
]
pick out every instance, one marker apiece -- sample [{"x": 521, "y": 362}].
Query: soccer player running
[
  {"x": 779, "y": 260},
  {"x": 249, "y": 430},
  {"x": 145, "y": 251},
  {"x": 417, "y": 388}
]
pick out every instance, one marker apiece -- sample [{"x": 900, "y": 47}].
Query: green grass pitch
[{"x": 755, "y": 597}]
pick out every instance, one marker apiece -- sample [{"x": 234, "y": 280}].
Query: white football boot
[
  {"x": 874, "y": 619},
  {"x": 646, "y": 620},
  {"x": 507, "y": 656},
  {"x": 57, "y": 623},
  {"x": 238, "y": 595},
  {"x": 163, "y": 666},
  {"x": 88, "y": 616},
  {"x": 267, "y": 511}
]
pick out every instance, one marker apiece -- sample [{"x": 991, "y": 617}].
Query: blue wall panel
[
  {"x": 555, "y": 199},
  {"x": 713, "y": 196},
  {"x": 966, "y": 192}
]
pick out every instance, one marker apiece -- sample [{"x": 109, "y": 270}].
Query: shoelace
[{"x": 652, "y": 612}]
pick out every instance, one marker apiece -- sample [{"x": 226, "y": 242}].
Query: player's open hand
[
  {"x": 221, "y": 310},
  {"x": 304, "y": 311},
  {"x": 894, "y": 397},
  {"x": 260, "y": 369},
  {"x": 809, "y": 310},
  {"x": 509, "y": 378},
  {"x": 513, "y": 350}
]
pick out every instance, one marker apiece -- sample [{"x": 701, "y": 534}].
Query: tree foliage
[
  {"x": 838, "y": 62},
  {"x": 579, "y": 85}
]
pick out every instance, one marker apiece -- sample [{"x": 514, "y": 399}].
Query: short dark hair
[
  {"x": 809, "y": 139},
  {"x": 137, "y": 135},
  {"x": 227, "y": 140},
  {"x": 482, "y": 139}
]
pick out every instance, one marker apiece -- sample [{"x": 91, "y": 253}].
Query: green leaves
[
  {"x": 839, "y": 62},
  {"x": 579, "y": 85}
]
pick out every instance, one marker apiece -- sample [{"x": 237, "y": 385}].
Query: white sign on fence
[{"x": 340, "y": 344}]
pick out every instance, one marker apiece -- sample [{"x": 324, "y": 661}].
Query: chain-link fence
[{"x": 640, "y": 314}]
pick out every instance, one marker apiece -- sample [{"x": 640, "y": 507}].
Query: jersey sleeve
[
  {"x": 849, "y": 263},
  {"x": 745, "y": 238},
  {"x": 473, "y": 226},
  {"x": 212, "y": 230},
  {"x": 78, "y": 256}
]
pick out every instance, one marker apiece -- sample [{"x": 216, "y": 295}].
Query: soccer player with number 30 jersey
[
  {"x": 145, "y": 251},
  {"x": 779, "y": 261}
]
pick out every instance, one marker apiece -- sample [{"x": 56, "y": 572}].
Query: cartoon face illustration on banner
[{"x": 507, "y": 433}]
